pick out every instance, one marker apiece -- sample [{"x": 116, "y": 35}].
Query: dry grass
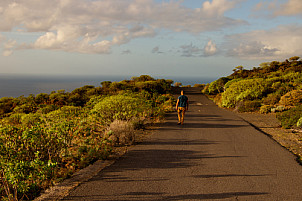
[{"x": 121, "y": 133}]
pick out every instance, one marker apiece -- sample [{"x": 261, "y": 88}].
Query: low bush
[
  {"x": 299, "y": 123},
  {"x": 291, "y": 98},
  {"x": 217, "y": 86},
  {"x": 249, "y": 89},
  {"x": 264, "y": 109},
  {"x": 177, "y": 84},
  {"x": 121, "y": 107},
  {"x": 121, "y": 133},
  {"x": 218, "y": 99},
  {"x": 44, "y": 109},
  {"x": 271, "y": 99},
  {"x": 205, "y": 90},
  {"x": 290, "y": 117},
  {"x": 199, "y": 85}
]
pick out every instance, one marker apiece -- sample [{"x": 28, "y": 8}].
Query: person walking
[{"x": 182, "y": 105}]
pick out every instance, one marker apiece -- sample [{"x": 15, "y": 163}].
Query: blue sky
[{"x": 192, "y": 38}]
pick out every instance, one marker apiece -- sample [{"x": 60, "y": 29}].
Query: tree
[
  {"x": 143, "y": 78},
  {"x": 177, "y": 84},
  {"x": 238, "y": 68},
  {"x": 106, "y": 84},
  {"x": 295, "y": 58}
]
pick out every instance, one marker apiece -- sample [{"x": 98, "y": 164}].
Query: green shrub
[
  {"x": 31, "y": 119},
  {"x": 44, "y": 109},
  {"x": 299, "y": 123},
  {"x": 199, "y": 85},
  {"x": 65, "y": 112},
  {"x": 264, "y": 109},
  {"x": 165, "y": 102},
  {"x": 271, "y": 99},
  {"x": 217, "y": 86},
  {"x": 290, "y": 117},
  {"x": 15, "y": 118},
  {"x": 25, "y": 108},
  {"x": 205, "y": 90},
  {"x": 121, "y": 107},
  {"x": 218, "y": 99},
  {"x": 249, "y": 106},
  {"x": 177, "y": 84},
  {"x": 292, "y": 98},
  {"x": 249, "y": 89},
  {"x": 227, "y": 85},
  {"x": 276, "y": 86}
]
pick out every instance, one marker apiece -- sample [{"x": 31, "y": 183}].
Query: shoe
[{"x": 178, "y": 123}]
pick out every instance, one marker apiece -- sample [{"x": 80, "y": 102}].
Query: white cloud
[
  {"x": 95, "y": 26},
  {"x": 8, "y": 47},
  {"x": 217, "y": 7},
  {"x": 210, "y": 48},
  {"x": 279, "y": 43},
  {"x": 275, "y": 8},
  {"x": 292, "y": 7}
]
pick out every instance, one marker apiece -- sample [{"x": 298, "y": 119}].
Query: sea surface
[{"x": 24, "y": 85}]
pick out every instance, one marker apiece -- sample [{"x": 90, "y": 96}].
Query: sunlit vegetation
[
  {"x": 45, "y": 138},
  {"x": 272, "y": 87}
]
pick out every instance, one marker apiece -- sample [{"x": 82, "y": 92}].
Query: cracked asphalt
[{"x": 215, "y": 155}]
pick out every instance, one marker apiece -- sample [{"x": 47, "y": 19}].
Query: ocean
[{"x": 24, "y": 85}]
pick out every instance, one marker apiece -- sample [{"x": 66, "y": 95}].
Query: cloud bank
[
  {"x": 278, "y": 43},
  {"x": 94, "y": 26}
]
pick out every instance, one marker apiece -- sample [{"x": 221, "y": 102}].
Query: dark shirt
[{"x": 182, "y": 101}]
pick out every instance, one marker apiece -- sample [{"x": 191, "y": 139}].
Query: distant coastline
[{"x": 18, "y": 85}]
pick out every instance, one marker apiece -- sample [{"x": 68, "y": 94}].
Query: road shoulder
[{"x": 269, "y": 125}]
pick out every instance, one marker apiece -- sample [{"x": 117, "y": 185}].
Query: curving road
[{"x": 215, "y": 155}]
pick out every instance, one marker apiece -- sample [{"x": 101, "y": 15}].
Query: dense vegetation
[
  {"x": 272, "y": 87},
  {"x": 45, "y": 138}
]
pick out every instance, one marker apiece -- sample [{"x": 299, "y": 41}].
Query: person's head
[{"x": 182, "y": 92}]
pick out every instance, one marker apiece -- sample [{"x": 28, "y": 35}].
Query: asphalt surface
[{"x": 215, "y": 155}]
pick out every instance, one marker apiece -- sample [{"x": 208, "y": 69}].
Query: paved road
[{"x": 215, "y": 155}]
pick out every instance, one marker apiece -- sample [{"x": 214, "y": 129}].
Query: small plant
[
  {"x": 290, "y": 117},
  {"x": 299, "y": 123},
  {"x": 264, "y": 109},
  {"x": 218, "y": 99},
  {"x": 121, "y": 132},
  {"x": 205, "y": 90},
  {"x": 199, "y": 85},
  {"x": 292, "y": 98},
  {"x": 177, "y": 84},
  {"x": 271, "y": 99}
]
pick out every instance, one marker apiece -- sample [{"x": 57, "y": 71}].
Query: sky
[{"x": 191, "y": 38}]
